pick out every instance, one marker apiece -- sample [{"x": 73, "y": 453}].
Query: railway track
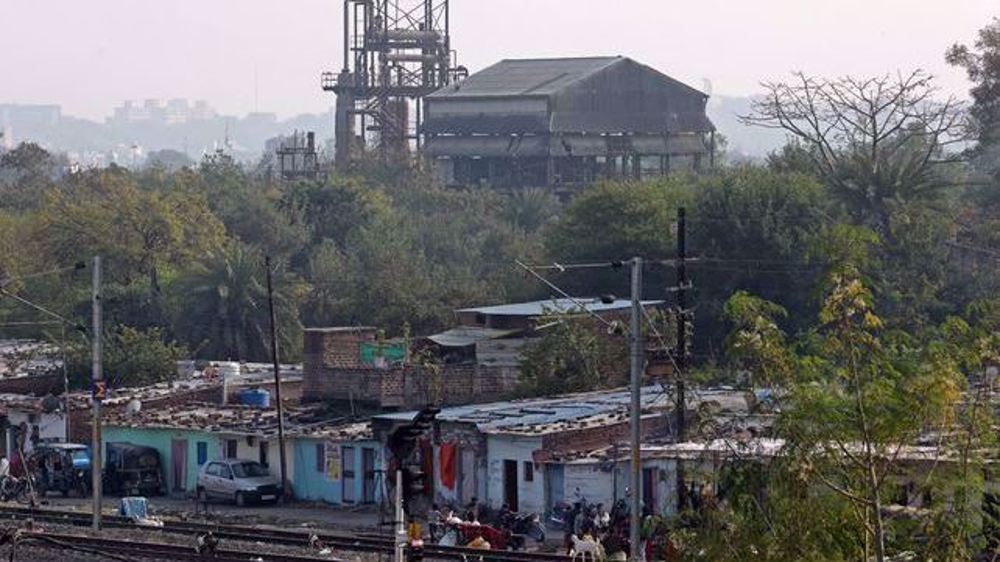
[
  {"x": 352, "y": 542},
  {"x": 130, "y": 549}
]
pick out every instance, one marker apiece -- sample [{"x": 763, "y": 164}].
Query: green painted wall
[{"x": 161, "y": 440}]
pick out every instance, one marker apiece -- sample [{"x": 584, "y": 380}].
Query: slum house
[
  {"x": 30, "y": 367},
  {"x": 328, "y": 459},
  {"x": 496, "y": 335},
  {"x": 476, "y": 361},
  {"x": 217, "y": 382},
  {"x": 602, "y": 475},
  {"x": 496, "y": 452},
  {"x": 565, "y": 122},
  {"x": 41, "y": 419},
  {"x": 349, "y": 367}
]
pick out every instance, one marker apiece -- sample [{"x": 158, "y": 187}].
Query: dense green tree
[
  {"x": 755, "y": 230},
  {"x": 130, "y": 358},
  {"x": 982, "y": 64},
  {"x": 853, "y": 397},
  {"x": 335, "y": 209},
  {"x": 221, "y": 308},
  {"x": 104, "y": 212},
  {"x": 25, "y": 173},
  {"x": 616, "y": 220},
  {"x": 574, "y": 354}
]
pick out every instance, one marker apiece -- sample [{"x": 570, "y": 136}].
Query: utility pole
[
  {"x": 399, "y": 552},
  {"x": 680, "y": 356},
  {"x": 636, "y": 363},
  {"x": 277, "y": 377},
  {"x": 682, "y": 316},
  {"x": 65, "y": 374},
  {"x": 98, "y": 395}
]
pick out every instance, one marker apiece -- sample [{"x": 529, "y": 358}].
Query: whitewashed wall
[
  {"x": 599, "y": 483},
  {"x": 249, "y": 452},
  {"x": 51, "y": 427},
  {"x": 530, "y": 495}
]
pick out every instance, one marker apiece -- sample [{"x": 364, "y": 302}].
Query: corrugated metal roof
[
  {"x": 462, "y": 336},
  {"x": 500, "y": 416},
  {"x": 525, "y": 77},
  {"x": 555, "y": 306},
  {"x": 542, "y": 415},
  {"x": 597, "y": 95}
]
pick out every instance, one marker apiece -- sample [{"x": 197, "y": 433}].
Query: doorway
[
  {"x": 347, "y": 475},
  {"x": 178, "y": 464},
  {"x": 368, "y": 473},
  {"x": 510, "y": 484},
  {"x": 555, "y": 487},
  {"x": 649, "y": 491}
]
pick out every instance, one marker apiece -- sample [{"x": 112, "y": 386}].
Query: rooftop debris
[{"x": 314, "y": 421}]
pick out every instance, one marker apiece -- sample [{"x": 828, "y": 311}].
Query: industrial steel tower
[{"x": 395, "y": 53}]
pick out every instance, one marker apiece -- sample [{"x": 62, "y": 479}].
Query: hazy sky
[{"x": 90, "y": 55}]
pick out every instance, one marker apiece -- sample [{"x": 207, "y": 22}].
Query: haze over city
[
  {"x": 267, "y": 55},
  {"x": 500, "y": 280}
]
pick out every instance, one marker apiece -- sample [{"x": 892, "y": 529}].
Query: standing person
[{"x": 472, "y": 510}]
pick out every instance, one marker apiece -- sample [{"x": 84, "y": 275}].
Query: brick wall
[
  {"x": 37, "y": 385},
  {"x": 411, "y": 386},
  {"x": 591, "y": 438},
  {"x": 334, "y": 347}
]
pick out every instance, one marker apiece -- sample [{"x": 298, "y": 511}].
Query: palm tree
[{"x": 223, "y": 310}]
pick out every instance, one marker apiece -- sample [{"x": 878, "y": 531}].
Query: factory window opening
[{"x": 321, "y": 457}]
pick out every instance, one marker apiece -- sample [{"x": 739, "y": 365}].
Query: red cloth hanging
[{"x": 449, "y": 455}]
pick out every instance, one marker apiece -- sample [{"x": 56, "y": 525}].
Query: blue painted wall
[
  {"x": 311, "y": 481},
  {"x": 161, "y": 440},
  {"x": 307, "y": 482}
]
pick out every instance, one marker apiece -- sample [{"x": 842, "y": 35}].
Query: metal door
[
  {"x": 368, "y": 473},
  {"x": 347, "y": 475},
  {"x": 555, "y": 486}
]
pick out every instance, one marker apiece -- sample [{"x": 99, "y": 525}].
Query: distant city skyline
[{"x": 247, "y": 55}]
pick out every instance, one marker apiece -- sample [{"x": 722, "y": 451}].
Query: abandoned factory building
[{"x": 562, "y": 123}]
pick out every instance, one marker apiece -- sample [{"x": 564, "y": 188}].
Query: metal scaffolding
[{"x": 395, "y": 53}]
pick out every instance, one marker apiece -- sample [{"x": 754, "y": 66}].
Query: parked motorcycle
[
  {"x": 18, "y": 489},
  {"x": 561, "y": 517}
]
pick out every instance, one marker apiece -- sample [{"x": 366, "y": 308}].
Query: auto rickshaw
[
  {"x": 64, "y": 467},
  {"x": 132, "y": 469}
]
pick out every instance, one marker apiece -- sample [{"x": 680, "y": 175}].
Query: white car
[{"x": 238, "y": 480}]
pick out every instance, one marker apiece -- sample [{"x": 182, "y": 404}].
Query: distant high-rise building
[
  {"x": 173, "y": 112},
  {"x": 30, "y": 116}
]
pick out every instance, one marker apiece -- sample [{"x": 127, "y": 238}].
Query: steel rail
[{"x": 354, "y": 542}]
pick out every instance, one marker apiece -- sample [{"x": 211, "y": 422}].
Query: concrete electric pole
[
  {"x": 98, "y": 395},
  {"x": 277, "y": 378},
  {"x": 637, "y": 358}
]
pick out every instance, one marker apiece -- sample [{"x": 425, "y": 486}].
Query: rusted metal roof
[
  {"x": 556, "y": 306},
  {"x": 525, "y": 77},
  {"x": 596, "y": 95}
]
